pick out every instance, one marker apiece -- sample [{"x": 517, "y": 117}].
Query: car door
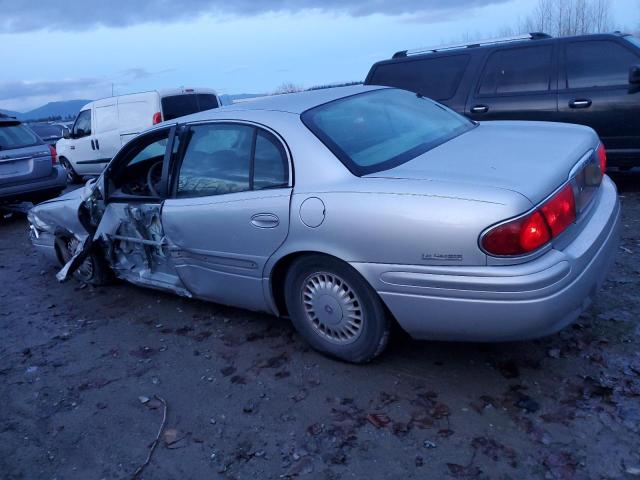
[
  {"x": 82, "y": 152},
  {"x": 130, "y": 227},
  {"x": 229, "y": 210},
  {"x": 516, "y": 83},
  {"x": 594, "y": 90}
]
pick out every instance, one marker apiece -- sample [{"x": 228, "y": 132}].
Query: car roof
[{"x": 295, "y": 103}]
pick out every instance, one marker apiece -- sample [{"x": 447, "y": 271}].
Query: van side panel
[{"x": 135, "y": 112}]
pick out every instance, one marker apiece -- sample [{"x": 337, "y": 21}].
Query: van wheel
[
  {"x": 335, "y": 309},
  {"x": 72, "y": 176}
]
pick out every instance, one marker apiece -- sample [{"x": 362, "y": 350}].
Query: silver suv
[{"x": 29, "y": 169}]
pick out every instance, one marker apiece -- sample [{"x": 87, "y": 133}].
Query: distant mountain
[
  {"x": 64, "y": 109},
  {"x": 68, "y": 108},
  {"x": 9, "y": 112}
]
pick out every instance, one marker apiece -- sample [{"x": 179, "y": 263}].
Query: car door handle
[
  {"x": 93, "y": 145},
  {"x": 265, "y": 220},
  {"x": 97, "y": 145},
  {"x": 72, "y": 147},
  {"x": 580, "y": 103},
  {"x": 479, "y": 109}
]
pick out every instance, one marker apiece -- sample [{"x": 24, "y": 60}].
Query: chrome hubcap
[
  {"x": 85, "y": 271},
  {"x": 332, "y": 308}
]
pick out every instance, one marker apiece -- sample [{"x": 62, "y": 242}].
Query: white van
[{"x": 103, "y": 126}]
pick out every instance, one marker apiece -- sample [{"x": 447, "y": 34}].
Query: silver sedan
[{"x": 347, "y": 210}]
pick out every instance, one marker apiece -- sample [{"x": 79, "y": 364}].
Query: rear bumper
[
  {"x": 504, "y": 303},
  {"x": 28, "y": 190}
]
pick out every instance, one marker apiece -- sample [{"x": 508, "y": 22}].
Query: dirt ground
[{"x": 84, "y": 372}]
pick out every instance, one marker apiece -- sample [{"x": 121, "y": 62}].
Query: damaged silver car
[{"x": 349, "y": 209}]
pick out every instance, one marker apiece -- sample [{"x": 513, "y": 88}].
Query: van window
[
  {"x": 517, "y": 70},
  {"x": 598, "y": 63},
  {"x": 436, "y": 78},
  {"x": 180, "y": 105},
  {"x": 82, "y": 127}
]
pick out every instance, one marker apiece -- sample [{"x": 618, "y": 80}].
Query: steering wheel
[{"x": 154, "y": 177}]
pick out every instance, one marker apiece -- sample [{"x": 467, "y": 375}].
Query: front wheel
[
  {"x": 92, "y": 270},
  {"x": 335, "y": 309}
]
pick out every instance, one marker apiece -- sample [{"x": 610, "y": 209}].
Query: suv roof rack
[{"x": 480, "y": 43}]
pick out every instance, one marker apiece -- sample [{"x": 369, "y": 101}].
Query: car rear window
[
  {"x": 374, "y": 131},
  {"x": 436, "y": 78},
  {"x": 180, "y": 105},
  {"x": 45, "y": 131},
  {"x": 15, "y": 135},
  {"x": 634, "y": 40}
]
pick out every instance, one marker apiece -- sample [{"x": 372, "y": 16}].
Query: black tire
[
  {"x": 72, "y": 176},
  {"x": 317, "y": 306},
  {"x": 93, "y": 270}
]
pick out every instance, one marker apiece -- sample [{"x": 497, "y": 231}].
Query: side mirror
[
  {"x": 66, "y": 134},
  {"x": 634, "y": 75}
]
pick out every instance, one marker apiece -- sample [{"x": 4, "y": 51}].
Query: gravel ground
[{"x": 84, "y": 372}]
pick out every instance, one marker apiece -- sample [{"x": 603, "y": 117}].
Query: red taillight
[
  {"x": 157, "y": 118},
  {"x": 54, "y": 155},
  {"x": 560, "y": 210},
  {"x": 517, "y": 237},
  {"x": 532, "y": 231},
  {"x": 602, "y": 158}
]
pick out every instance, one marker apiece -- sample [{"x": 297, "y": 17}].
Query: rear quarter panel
[{"x": 400, "y": 222}]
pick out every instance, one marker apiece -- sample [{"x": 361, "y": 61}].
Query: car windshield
[
  {"x": 381, "y": 129},
  {"x": 15, "y": 135},
  {"x": 634, "y": 40}
]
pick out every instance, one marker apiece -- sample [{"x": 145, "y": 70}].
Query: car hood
[{"x": 531, "y": 158}]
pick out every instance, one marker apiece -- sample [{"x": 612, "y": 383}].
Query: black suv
[{"x": 593, "y": 80}]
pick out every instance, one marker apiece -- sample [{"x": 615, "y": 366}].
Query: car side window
[
  {"x": 82, "y": 127},
  {"x": 271, "y": 169},
  {"x": 436, "y": 78},
  {"x": 598, "y": 63},
  {"x": 517, "y": 70},
  {"x": 228, "y": 158},
  {"x": 217, "y": 160}
]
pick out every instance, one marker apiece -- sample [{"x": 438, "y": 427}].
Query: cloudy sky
[{"x": 69, "y": 49}]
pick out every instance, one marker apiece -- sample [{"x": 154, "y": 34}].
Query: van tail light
[
  {"x": 157, "y": 118},
  {"x": 528, "y": 233},
  {"x": 54, "y": 155},
  {"x": 602, "y": 158}
]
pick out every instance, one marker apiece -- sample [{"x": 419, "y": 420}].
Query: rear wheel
[
  {"x": 72, "y": 176},
  {"x": 335, "y": 309}
]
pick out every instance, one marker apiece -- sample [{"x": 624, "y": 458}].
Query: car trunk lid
[
  {"x": 531, "y": 158},
  {"x": 23, "y": 164}
]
